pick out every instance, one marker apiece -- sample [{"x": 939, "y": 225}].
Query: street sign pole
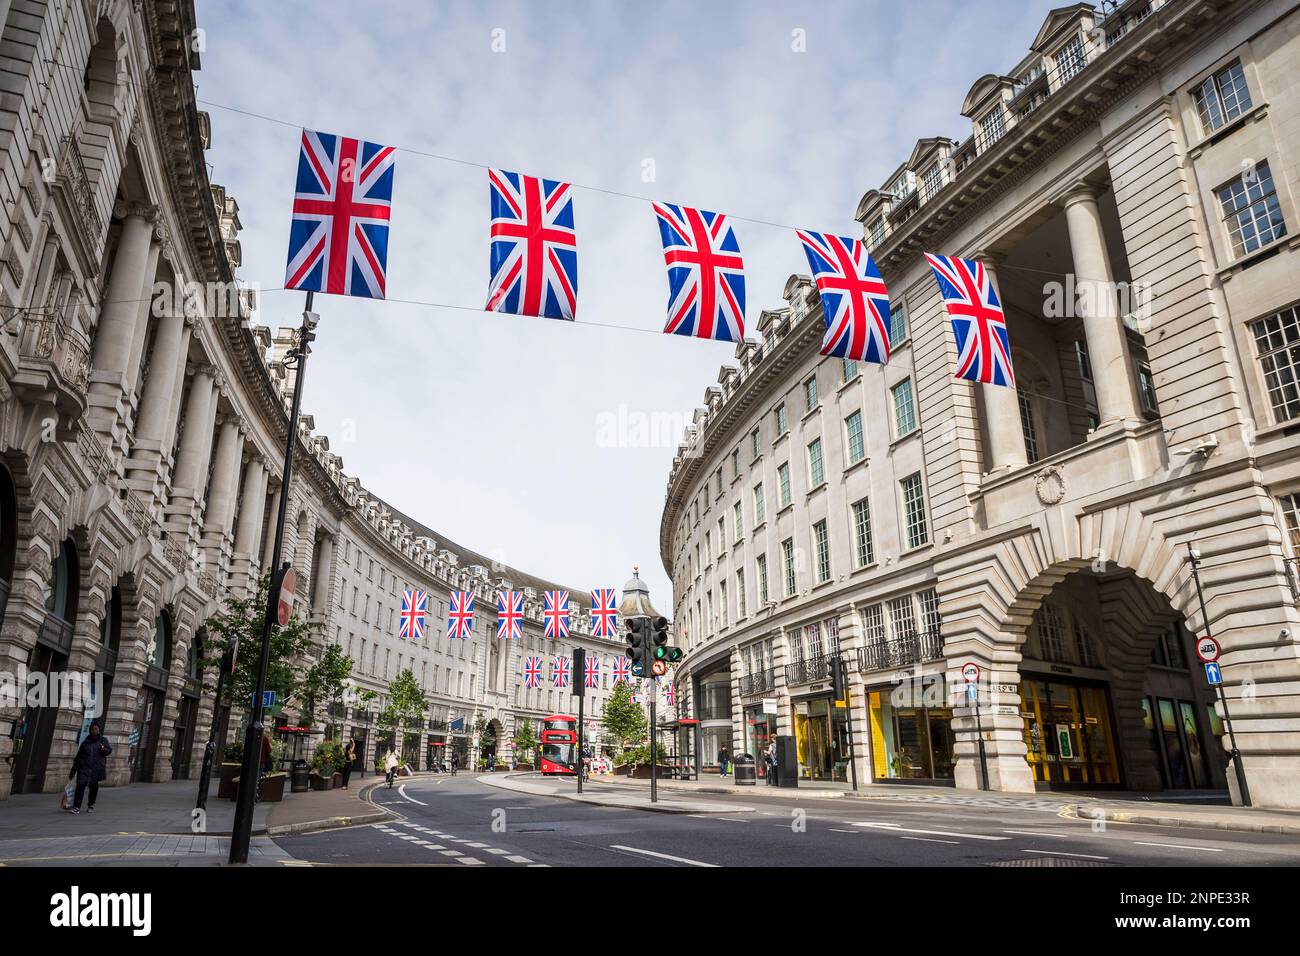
[
  {"x": 1223, "y": 697},
  {"x": 654, "y": 750},
  {"x": 971, "y": 672},
  {"x": 579, "y": 676},
  {"x": 241, "y": 830},
  {"x": 848, "y": 719}
]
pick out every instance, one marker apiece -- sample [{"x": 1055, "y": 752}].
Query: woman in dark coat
[{"x": 88, "y": 767}]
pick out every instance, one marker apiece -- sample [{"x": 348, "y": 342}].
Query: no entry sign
[
  {"x": 1207, "y": 649},
  {"x": 970, "y": 671},
  {"x": 284, "y": 606}
]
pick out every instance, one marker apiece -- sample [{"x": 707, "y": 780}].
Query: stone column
[
  {"x": 125, "y": 308},
  {"x": 221, "y": 495},
  {"x": 252, "y": 500},
  {"x": 191, "y": 471},
  {"x": 268, "y": 546},
  {"x": 1002, "y": 407},
  {"x": 321, "y": 576},
  {"x": 1112, "y": 371},
  {"x": 146, "y": 468}
]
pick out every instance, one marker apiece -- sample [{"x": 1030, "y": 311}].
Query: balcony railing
[
  {"x": 55, "y": 632},
  {"x": 900, "y": 652},
  {"x": 808, "y": 670},
  {"x": 1292, "y": 577},
  {"x": 758, "y": 682}
]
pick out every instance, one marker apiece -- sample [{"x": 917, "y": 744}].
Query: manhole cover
[{"x": 1050, "y": 861}]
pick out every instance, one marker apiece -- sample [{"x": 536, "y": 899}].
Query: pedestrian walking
[
  {"x": 771, "y": 762},
  {"x": 722, "y": 760},
  {"x": 349, "y": 756},
  {"x": 390, "y": 767},
  {"x": 89, "y": 767}
]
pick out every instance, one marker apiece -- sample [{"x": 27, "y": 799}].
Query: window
[
  {"x": 1222, "y": 97},
  {"x": 863, "y": 550},
  {"x": 722, "y": 601},
  {"x": 735, "y": 463},
  {"x": 1051, "y": 633},
  {"x": 1251, "y": 211},
  {"x": 904, "y": 408},
  {"x": 810, "y": 394},
  {"x": 822, "y": 545},
  {"x": 760, "y": 571},
  {"x": 876, "y": 231},
  {"x": 787, "y": 565},
  {"x": 857, "y": 446},
  {"x": 992, "y": 127},
  {"x": 897, "y": 324},
  {"x": 929, "y": 599},
  {"x": 1027, "y": 425},
  {"x": 782, "y": 426},
  {"x": 914, "y": 511},
  {"x": 931, "y": 181},
  {"x": 738, "y": 520},
  {"x": 708, "y": 548},
  {"x": 1070, "y": 59},
  {"x": 850, "y": 369},
  {"x": 902, "y": 617},
  {"x": 783, "y": 482},
  {"x": 717, "y": 475},
  {"x": 816, "y": 468},
  {"x": 760, "y": 506},
  {"x": 873, "y": 625},
  {"x": 1147, "y": 390},
  {"x": 753, "y": 443},
  {"x": 813, "y": 638},
  {"x": 1277, "y": 339},
  {"x": 1081, "y": 356},
  {"x": 722, "y": 537},
  {"x": 740, "y": 593}
]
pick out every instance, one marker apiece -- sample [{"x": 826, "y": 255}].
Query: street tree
[
  {"x": 525, "y": 738},
  {"x": 623, "y": 719},
  {"x": 324, "y": 681},
  {"x": 406, "y": 705}
]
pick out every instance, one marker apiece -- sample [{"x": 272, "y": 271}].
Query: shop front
[
  {"x": 910, "y": 724},
  {"x": 1069, "y": 731},
  {"x": 436, "y": 748},
  {"x": 760, "y": 730},
  {"x": 821, "y": 738}
]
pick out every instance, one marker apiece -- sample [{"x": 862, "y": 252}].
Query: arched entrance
[
  {"x": 143, "y": 739},
  {"x": 8, "y": 534},
  {"x": 188, "y": 715},
  {"x": 493, "y": 737},
  {"x": 1111, "y": 692},
  {"x": 34, "y": 731}
]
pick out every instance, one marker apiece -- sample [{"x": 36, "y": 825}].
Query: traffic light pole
[
  {"x": 579, "y": 679},
  {"x": 848, "y": 720},
  {"x": 242, "y": 829},
  {"x": 654, "y": 749}
]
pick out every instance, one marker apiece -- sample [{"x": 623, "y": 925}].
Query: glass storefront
[
  {"x": 821, "y": 739},
  {"x": 1068, "y": 732},
  {"x": 910, "y": 739},
  {"x": 760, "y": 728},
  {"x": 1176, "y": 738}
]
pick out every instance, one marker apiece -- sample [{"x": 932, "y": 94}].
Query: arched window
[
  {"x": 162, "y": 641},
  {"x": 8, "y": 534},
  {"x": 61, "y": 589}
]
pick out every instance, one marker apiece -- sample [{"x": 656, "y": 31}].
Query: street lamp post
[
  {"x": 1194, "y": 560},
  {"x": 242, "y": 829}
]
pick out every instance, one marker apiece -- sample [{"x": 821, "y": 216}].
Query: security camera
[
  {"x": 1203, "y": 449},
  {"x": 311, "y": 319}
]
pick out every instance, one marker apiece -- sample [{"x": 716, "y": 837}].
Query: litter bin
[
  {"x": 743, "y": 766},
  {"x": 299, "y": 781}
]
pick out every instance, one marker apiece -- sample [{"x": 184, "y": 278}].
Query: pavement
[
  {"x": 1201, "y": 810},
  {"x": 157, "y": 824}
]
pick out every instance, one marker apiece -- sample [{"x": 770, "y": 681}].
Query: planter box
[
  {"x": 321, "y": 783},
  {"x": 272, "y": 788},
  {"x": 338, "y": 779},
  {"x": 226, "y": 786},
  {"x": 642, "y": 772}
]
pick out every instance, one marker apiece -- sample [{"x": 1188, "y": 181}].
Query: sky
[{"x": 525, "y": 438}]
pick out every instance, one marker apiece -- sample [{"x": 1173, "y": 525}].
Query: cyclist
[{"x": 390, "y": 768}]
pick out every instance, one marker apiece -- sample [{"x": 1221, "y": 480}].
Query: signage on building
[
  {"x": 1064, "y": 744},
  {"x": 1212, "y": 674},
  {"x": 769, "y": 705}
]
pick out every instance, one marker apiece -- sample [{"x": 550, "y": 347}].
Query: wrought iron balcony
[
  {"x": 808, "y": 670},
  {"x": 54, "y": 367},
  {"x": 758, "y": 682},
  {"x": 56, "y": 633},
  {"x": 910, "y": 649}
]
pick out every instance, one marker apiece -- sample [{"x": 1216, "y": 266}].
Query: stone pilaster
[{"x": 1001, "y": 409}]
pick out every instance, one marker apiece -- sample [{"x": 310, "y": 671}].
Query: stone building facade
[
  {"x": 1131, "y": 185},
  {"x": 143, "y": 419}
]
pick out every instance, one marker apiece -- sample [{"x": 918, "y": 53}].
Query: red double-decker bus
[{"x": 559, "y": 749}]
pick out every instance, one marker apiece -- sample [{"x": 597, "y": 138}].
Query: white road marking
[
  {"x": 477, "y": 846},
  {"x": 1180, "y": 846},
  {"x": 1086, "y": 856},
  {"x": 1058, "y": 836},
  {"x": 447, "y": 852},
  {"x": 706, "y": 816},
  {"x": 661, "y": 856},
  {"x": 928, "y": 840},
  {"x": 470, "y": 861},
  {"x": 519, "y": 859},
  {"x": 895, "y": 828},
  {"x": 402, "y": 791},
  {"x": 497, "y": 850}
]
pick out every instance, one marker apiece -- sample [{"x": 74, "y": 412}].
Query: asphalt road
[{"x": 459, "y": 822}]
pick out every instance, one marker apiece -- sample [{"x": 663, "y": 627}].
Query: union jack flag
[
  {"x": 706, "y": 276},
  {"x": 556, "y": 613},
  {"x": 591, "y": 672},
  {"x": 622, "y": 669},
  {"x": 532, "y": 671},
  {"x": 534, "y": 260},
  {"x": 560, "y": 672},
  {"x": 338, "y": 239},
  {"x": 670, "y": 695},
  {"x": 855, "y": 303},
  {"x": 978, "y": 324},
  {"x": 414, "y": 604},
  {"x": 510, "y": 614},
  {"x": 604, "y": 613},
  {"x": 460, "y": 614}
]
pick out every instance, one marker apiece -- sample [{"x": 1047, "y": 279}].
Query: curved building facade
[
  {"x": 142, "y": 424},
  {"x": 1130, "y": 186}
]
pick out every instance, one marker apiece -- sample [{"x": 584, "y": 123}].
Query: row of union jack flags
[
  {"x": 533, "y": 666},
  {"x": 338, "y": 243},
  {"x": 556, "y": 613}
]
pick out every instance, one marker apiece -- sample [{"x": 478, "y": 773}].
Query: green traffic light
[{"x": 661, "y": 653}]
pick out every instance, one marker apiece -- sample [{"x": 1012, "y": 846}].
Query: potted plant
[
  {"x": 325, "y": 762},
  {"x": 232, "y": 757}
]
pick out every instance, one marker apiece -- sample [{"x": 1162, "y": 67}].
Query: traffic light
[
  {"x": 836, "y": 666},
  {"x": 638, "y": 645},
  {"x": 659, "y": 646}
]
